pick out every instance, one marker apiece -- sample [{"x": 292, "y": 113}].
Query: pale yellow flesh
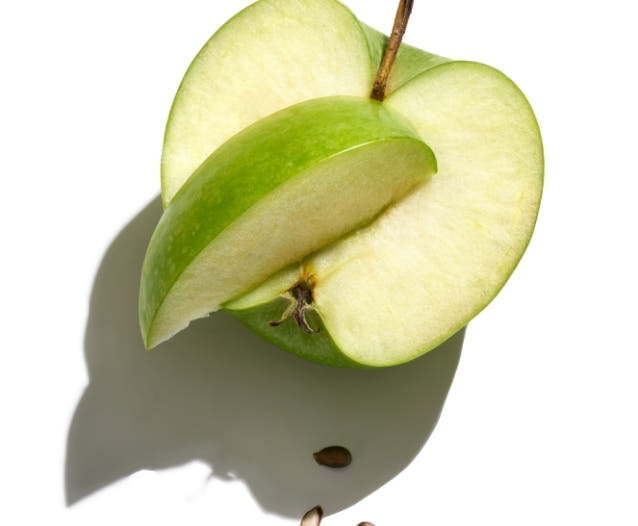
[
  {"x": 423, "y": 269},
  {"x": 293, "y": 50}
]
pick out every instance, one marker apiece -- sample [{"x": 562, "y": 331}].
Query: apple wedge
[{"x": 282, "y": 188}]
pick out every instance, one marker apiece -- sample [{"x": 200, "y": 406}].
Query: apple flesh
[
  {"x": 388, "y": 291},
  {"x": 425, "y": 267},
  {"x": 275, "y": 192}
]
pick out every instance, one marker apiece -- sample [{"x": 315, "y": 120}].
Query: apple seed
[
  {"x": 333, "y": 457},
  {"x": 312, "y": 517}
]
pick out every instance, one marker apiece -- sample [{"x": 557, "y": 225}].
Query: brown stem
[{"x": 398, "y": 30}]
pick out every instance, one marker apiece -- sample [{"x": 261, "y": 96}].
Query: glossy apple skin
[{"x": 256, "y": 163}]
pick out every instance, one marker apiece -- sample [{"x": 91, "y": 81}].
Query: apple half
[{"x": 387, "y": 285}]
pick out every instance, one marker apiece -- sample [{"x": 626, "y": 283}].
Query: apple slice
[
  {"x": 282, "y": 188},
  {"x": 429, "y": 264}
]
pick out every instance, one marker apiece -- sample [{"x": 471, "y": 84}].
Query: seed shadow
[{"x": 218, "y": 393}]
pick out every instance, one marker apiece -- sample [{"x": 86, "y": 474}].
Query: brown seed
[
  {"x": 365, "y": 523},
  {"x": 333, "y": 457},
  {"x": 312, "y": 517}
]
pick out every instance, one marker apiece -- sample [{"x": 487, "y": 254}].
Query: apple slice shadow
[{"x": 219, "y": 394}]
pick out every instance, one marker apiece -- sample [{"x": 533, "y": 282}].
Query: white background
[{"x": 540, "y": 426}]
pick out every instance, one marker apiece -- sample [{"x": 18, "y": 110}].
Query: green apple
[{"x": 376, "y": 288}]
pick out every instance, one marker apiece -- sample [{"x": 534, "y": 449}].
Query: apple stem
[{"x": 398, "y": 30}]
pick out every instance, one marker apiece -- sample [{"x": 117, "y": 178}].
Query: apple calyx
[
  {"x": 398, "y": 30},
  {"x": 301, "y": 301}
]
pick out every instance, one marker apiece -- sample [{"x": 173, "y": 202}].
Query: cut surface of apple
[
  {"x": 277, "y": 191},
  {"x": 425, "y": 267}
]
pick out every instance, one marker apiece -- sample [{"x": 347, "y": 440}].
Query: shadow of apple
[{"x": 219, "y": 394}]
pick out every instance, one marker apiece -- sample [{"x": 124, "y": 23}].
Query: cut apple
[
  {"x": 380, "y": 262},
  {"x": 426, "y": 266},
  {"x": 277, "y": 191}
]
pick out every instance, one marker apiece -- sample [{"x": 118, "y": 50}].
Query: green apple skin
[
  {"x": 318, "y": 347},
  {"x": 446, "y": 249},
  {"x": 256, "y": 204}
]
